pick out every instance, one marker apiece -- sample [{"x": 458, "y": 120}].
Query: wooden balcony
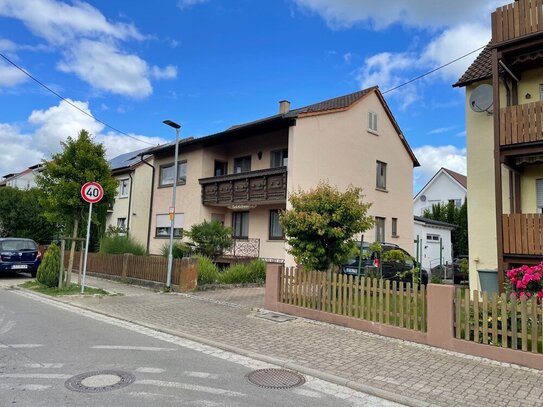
[
  {"x": 522, "y": 234},
  {"x": 521, "y": 124},
  {"x": 248, "y": 188},
  {"x": 519, "y": 19}
]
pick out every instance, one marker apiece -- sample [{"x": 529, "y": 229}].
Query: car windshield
[{"x": 17, "y": 245}]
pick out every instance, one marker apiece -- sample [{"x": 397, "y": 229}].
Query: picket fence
[
  {"x": 393, "y": 303},
  {"x": 148, "y": 268},
  {"x": 501, "y": 320}
]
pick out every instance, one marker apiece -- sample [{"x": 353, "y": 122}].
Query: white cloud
[
  {"x": 10, "y": 76},
  {"x": 380, "y": 14},
  {"x": 432, "y": 158},
  {"x": 441, "y": 130},
  {"x": 107, "y": 68},
  {"x": 183, "y": 4},
  {"x": 90, "y": 44},
  {"x": 168, "y": 72},
  {"x": 387, "y": 70},
  {"x": 453, "y": 43},
  {"x": 51, "y": 126},
  {"x": 59, "y": 22}
]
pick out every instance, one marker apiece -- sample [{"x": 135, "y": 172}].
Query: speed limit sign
[{"x": 92, "y": 192}]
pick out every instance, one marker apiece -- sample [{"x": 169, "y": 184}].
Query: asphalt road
[{"x": 43, "y": 344}]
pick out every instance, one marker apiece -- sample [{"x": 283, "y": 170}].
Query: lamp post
[{"x": 172, "y": 208}]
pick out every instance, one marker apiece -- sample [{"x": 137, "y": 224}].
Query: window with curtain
[
  {"x": 166, "y": 174},
  {"x": 276, "y": 231},
  {"x": 380, "y": 230},
  {"x": 279, "y": 158},
  {"x": 163, "y": 225},
  {"x": 240, "y": 225},
  {"x": 242, "y": 164},
  {"x": 123, "y": 188},
  {"x": 381, "y": 182}
]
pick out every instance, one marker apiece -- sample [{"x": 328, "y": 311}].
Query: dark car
[
  {"x": 394, "y": 270},
  {"x": 18, "y": 254}
]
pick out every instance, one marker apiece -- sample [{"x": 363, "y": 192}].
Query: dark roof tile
[
  {"x": 479, "y": 70},
  {"x": 461, "y": 179}
]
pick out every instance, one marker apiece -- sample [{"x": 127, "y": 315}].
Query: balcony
[
  {"x": 521, "y": 124},
  {"x": 522, "y": 234},
  {"x": 244, "y": 248},
  {"x": 519, "y": 19},
  {"x": 248, "y": 188}
]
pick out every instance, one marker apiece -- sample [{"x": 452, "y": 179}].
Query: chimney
[{"x": 284, "y": 106}]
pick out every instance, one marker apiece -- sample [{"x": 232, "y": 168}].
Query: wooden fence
[
  {"x": 521, "y": 123},
  {"x": 520, "y": 18},
  {"x": 148, "y": 268},
  {"x": 392, "y": 303},
  {"x": 501, "y": 320}
]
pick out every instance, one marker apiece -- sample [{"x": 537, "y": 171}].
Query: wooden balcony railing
[
  {"x": 254, "y": 187},
  {"x": 521, "y": 123},
  {"x": 515, "y": 20},
  {"x": 523, "y": 233}
]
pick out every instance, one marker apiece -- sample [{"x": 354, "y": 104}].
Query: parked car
[
  {"x": 18, "y": 254},
  {"x": 394, "y": 270},
  {"x": 460, "y": 272}
]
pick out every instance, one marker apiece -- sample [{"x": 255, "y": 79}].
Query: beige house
[
  {"x": 25, "y": 179},
  {"x": 130, "y": 212},
  {"x": 505, "y": 144},
  {"x": 243, "y": 175}
]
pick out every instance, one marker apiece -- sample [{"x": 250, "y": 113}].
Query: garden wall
[{"x": 438, "y": 312}]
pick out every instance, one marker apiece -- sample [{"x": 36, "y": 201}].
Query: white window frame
[
  {"x": 181, "y": 177},
  {"x": 372, "y": 123},
  {"x": 432, "y": 238},
  {"x": 124, "y": 187},
  {"x": 163, "y": 224},
  {"x": 121, "y": 223}
]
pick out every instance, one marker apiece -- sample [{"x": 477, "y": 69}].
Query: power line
[
  {"x": 70, "y": 103},
  {"x": 433, "y": 70}
]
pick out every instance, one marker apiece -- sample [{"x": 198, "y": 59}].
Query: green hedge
[
  {"x": 253, "y": 272},
  {"x": 121, "y": 245}
]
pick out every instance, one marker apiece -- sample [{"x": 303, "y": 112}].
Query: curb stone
[{"x": 287, "y": 364}]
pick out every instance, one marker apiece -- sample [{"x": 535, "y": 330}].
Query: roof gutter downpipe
[{"x": 150, "y": 202}]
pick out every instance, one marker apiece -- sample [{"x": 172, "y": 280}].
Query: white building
[
  {"x": 432, "y": 234},
  {"x": 444, "y": 187},
  {"x": 25, "y": 179}
]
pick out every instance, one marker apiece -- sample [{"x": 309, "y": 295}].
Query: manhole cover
[
  {"x": 100, "y": 381},
  {"x": 275, "y": 378},
  {"x": 271, "y": 316}
]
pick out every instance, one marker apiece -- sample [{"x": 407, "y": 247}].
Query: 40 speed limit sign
[{"x": 92, "y": 192}]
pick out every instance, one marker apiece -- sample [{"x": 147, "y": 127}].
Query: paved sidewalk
[{"x": 420, "y": 372}]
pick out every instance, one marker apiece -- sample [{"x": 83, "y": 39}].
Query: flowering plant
[{"x": 527, "y": 280}]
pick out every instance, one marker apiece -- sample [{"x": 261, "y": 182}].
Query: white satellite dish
[
  {"x": 423, "y": 198},
  {"x": 481, "y": 98}
]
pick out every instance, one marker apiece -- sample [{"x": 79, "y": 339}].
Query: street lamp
[{"x": 172, "y": 208}]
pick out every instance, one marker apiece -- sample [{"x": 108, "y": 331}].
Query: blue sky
[{"x": 208, "y": 64}]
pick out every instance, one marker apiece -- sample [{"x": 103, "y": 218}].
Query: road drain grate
[
  {"x": 99, "y": 381},
  {"x": 275, "y": 378}
]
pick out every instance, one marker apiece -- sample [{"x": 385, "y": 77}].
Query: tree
[
  {"x": 450, "y": 213},
  {"x": 21, "y": 215},
  {"x": 80, "y": 161},
  {"x": 210, "y": 239},
  {"x": 322, "y": 223},
  {"x": 49, "y": 269}
]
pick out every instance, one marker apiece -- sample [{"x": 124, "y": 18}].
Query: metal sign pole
[{"x": 86, "y": 250}]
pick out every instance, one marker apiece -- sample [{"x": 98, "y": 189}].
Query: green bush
[
  {"x": 49, "y": 269},
  {"x": 254, "y": 272},
  {"x": 179, "y": 250},
  {"x": 210, "y": 239},
  {"x": 207, "y": 271},
  {"x": 121, "y": 245}
]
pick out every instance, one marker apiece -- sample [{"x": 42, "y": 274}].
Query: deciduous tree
[{"x": 321, "y": 226}]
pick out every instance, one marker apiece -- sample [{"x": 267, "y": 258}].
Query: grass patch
[{"x": 73, "y": 289}]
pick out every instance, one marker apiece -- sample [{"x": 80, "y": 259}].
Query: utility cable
[
  {"x": 433, "y": 70},
  {"x": 70, "y": 103}
]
